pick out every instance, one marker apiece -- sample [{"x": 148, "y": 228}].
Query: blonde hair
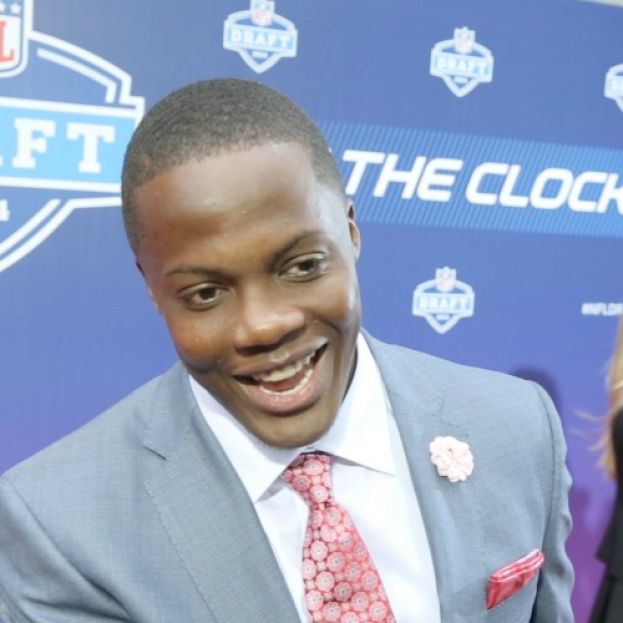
[{"x": 615, "y": 398}]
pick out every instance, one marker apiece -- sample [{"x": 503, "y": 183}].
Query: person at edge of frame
[{"x": 608, "y": 606}]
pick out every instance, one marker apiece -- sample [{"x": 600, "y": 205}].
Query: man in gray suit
[{"x": 172, "y": 506}]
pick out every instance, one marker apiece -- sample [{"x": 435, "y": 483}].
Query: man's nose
[{"x": 265, "y": 320}]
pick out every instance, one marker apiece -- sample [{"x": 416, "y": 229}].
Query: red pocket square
[{"x": 509, "y": 579}]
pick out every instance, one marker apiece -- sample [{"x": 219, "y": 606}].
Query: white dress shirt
[{"x": 370, "y": 479}]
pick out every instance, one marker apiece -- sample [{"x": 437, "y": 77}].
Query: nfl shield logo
[
  {"x": 445, "y": 278},
  {"x": 15, "y": 26},
  {"x": 464, "y": 40},
  {"x": 262, "y": 12}
]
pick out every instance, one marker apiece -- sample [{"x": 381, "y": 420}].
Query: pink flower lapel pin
[{"x": 452, "y": 458}]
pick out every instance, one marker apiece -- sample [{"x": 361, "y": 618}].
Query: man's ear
[
  {"x": 149, "y": 291},
  {"x": 153, "y": 300},
  {"x": 355, "y": 234}
]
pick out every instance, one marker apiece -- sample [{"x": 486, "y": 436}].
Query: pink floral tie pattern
[{"x": 342, "y": 584}]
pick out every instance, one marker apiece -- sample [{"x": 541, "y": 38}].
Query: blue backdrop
[{"x": 482, "y": 141}]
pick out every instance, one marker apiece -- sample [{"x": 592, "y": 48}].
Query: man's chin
[{"x": 292, "y": 431}]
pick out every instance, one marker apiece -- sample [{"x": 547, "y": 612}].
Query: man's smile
[{"x": 288, "y": 388}]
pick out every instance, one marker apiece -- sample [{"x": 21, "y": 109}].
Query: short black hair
[{"x": 213, "y": 117}]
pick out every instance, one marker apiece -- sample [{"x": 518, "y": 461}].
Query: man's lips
[
  {"x": 288, "y": 388},
  {"x": 286, "y": 372},
  {"x": 273, "y": 373}
]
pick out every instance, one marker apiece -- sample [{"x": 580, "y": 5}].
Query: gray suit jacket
[{"x": 138, "y": 516}]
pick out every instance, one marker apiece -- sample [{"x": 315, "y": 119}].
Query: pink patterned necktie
[{"x": 342, "y": 584}]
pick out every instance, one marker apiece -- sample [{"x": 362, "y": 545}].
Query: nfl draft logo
[
  {"x": 60, "y": 148},
  {"x": 461, "y": 62},
  {"x": 260, "y": 36},
  {"x": 614, "y": 85},
  {"x": 14, "y": 24},
  {"x": 444, "y": 300}
]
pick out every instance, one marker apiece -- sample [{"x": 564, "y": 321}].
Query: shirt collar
[{"x": 360, "y": 433}]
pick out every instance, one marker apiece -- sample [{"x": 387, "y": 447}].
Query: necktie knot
[{"x": 310, "y": 476}]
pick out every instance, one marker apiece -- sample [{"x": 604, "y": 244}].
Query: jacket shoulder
[
  {"x": 442, "y": 372},
  {"x": 468, "y": 395},
  {"x": 100, "y": 441}
]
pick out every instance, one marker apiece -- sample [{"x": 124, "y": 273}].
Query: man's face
[{"x": 251, "y": 261}]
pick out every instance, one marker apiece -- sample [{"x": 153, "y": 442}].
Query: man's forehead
[
  {"x": 259, "y": 178},
  {"x": 235, "y": 170},
  {"x": 159, "y": 164}
]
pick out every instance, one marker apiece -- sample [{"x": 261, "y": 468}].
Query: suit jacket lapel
[
  {"x": 208, "y": 515},
  {"x": 450, "y": 510}
]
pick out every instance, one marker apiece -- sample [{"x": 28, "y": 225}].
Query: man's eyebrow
[
  {"x": 190, "y": 269},
  {"x": 309, "y": 233}
]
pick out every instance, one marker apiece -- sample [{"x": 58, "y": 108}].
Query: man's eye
[
  {"x": 203, "y": 297},
  {"x": 307, "y": 267}
]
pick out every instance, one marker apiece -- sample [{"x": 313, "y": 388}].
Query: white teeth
[
  {"x": 279, "y": 357},
  {"x": 293, "y": 390},
  {"x": 281, "y": 374}
]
